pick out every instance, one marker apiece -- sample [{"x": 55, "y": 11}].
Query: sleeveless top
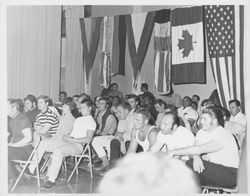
[{"x": 144, "y": 144}]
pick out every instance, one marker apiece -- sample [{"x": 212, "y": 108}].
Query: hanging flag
[
  {"x": 225, "y": 28},
  {"x": 106, "y": 39},
  {"x": 188, "y": 51},
  {"x": 139, "y": 34},
  {"x": 89, "y": 47},
  {"x": 119, "y": 46},
  {"x": 162, "y": 57}
]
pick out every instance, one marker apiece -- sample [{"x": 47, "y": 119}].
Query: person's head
[
  {"x": 75, "y": 98},
  {"x": 144, "y": 87},
  {"x": 149, "y": 174},
  {"x": 97, "y": 102},
  {"x": 186, "y": 101},
  {"x": 226, "y": 114},
  {"x": 87, "y": 107},
  {"x": 123, "y": 110},
  {"x": 62, "y": 96},
  {"x": 29, "y": 102},
  {"x": 43, "y": 102},
  {"x": 147, "y": 101},
  {"x": 104, "y": 103},
  {"x": 204, "y": 102},
  {"x": 171, "y": 108},
  {"x": 160, "y": 105},
  {"x": 14, "y": 106},
  {"x": 141, "y": 119},
  {"x": 194, "y": 105},
  {"x": 133, "y": 100},
  {"x": 234, "y": 107},
  {"x": 83, "y": 96},
  {"x": 114, "y": 86},
  {"x": 170, "y": 122},
  {"x": 68, "y": 99},
  {"x": 68, "y": 106},
  {"x": 196, "y": 98},
  {"x": 211, "y": 118},
  {"x": 116, "y": 100}
]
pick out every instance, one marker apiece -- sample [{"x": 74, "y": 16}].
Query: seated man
[
  {"x": 107, "y": 125},
  {"x": 83, "y": 131},
  {"x": 20, "y": 145},
  {"x": 114, "y": 91},
  {"x": 46, "y": 121},
  {"x": 236, "y": 114},
  {"x": 143, "y": 133},
  {"x": 64, "y": 128},
  {"x": 172, "y": 135},
  {"x": 31, "y": 109},
  {"x": 160, "y": 107},
  {"x": 215, "y": 153}
]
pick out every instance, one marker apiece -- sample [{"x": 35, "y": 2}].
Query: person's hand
[{"x": 198, "y": 165}]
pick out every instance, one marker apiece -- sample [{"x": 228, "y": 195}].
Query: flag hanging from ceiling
[
  {"x": 225, "y": 28},
  {"x": 139, "y": 28},
  {"x": 188, "y": 51},
  {"x": 106, "y": 40},
  {"x": 89, "y": 47},
  {"x": 162, "y": 56}
]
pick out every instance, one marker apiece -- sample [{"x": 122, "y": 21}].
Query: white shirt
[
  {"x": 81, "y": 125},
  {"x": 229, "y": 155},
  {"x": 239, "y": 118},
  {"x": 181, "y": 138}
]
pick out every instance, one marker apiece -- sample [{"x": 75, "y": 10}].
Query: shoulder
[{"x": 154, "y": 131}]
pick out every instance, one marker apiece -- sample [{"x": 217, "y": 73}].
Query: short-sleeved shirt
[
  {"x": 31, "y": 114},
  {"x": 82, "y": 125},
  {"x": 239, "y": 118},
  {"x": 17, "y": 124},
  {"x": 181, "y": 138},
  {"x": 46, "y": 118},
  {"x": 229, "y": 155}
]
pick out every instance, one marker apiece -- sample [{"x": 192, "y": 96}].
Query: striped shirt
[{"x": 49, "y": 118}]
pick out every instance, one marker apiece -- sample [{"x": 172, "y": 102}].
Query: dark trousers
[
  {"x": 216, "y": 175},
  {"x": 139, "y": 147},
  {"x": 17, "y": 153},
  {"x": 115, "y": 150}
]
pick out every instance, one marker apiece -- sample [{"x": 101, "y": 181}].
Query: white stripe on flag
[
  {"x": 224, "y": 79},
  {"x": 138, "y": 21},
  {"x": 157, "y": 63},
  {"x": 230, "y": 71},
  {"x": 237, "y": 50}
]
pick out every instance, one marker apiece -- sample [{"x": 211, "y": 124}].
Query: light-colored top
[
  {"x": 144, "y": 144},
  {"x": 188, "y": 113},
  {"x": 229, "y": 155},
  {"x": 239, "y": 118},
  {"x": 65, "y": 125},
  {"x": 180, "y": 138},
  {"x": 174, "y": 99},
  {"x": 82, "y": 125}
]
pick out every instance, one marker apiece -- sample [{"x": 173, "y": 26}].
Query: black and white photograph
[{"x": 124, "y": 98}]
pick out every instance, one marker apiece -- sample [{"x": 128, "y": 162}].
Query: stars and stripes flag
[
  {"x": 162, "y": 56},
  {"x": 224, "y": 27},
  {"x": 188, "y": 51}
]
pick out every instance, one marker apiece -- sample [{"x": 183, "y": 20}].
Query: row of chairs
[{"x": 33, "y": 160}]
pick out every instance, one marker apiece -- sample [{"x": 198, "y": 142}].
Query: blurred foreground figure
[{"x": 149, "y": 174}]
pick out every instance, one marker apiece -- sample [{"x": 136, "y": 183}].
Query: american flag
[{"x": 224, "y": 27}]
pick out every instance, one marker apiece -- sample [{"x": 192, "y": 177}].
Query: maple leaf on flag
[{"x": 186, "y": 43}]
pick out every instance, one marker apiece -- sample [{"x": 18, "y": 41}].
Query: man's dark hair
[
  {"x": 125, "y": 106},
  {"x": 236, "y": 101},
  {"x": 216, "y": 112},
  {"x": 145, "y": 85},
  {"x": 198, "y": 97},
  {"x": 63, "y": 93}
]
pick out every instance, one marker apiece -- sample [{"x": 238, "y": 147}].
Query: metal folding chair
[
  {"x": 26, "y": 163},
  {"x": 87, "y": 154}
]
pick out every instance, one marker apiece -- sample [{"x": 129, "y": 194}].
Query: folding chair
[
  {"x": 47, "y": 162},
  {"x": 87, "y": 149},
  {"x": 26, "y": 163},
  {"x": 217, "y": 190}
]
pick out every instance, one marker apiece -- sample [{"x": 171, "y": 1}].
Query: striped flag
[
  {"x": 224, "y": 27},
  {"x": 162, "y": 58},
  {"x": 106, "y": 39},
  {"x": 139, "y": 29},
  {"x": 188, "y": 55}
]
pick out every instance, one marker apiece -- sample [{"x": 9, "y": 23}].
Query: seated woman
[
  {"x": 215, "y": 153},
  {"x": 82, "y": 133}
]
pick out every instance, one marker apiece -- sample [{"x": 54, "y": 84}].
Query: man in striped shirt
[{"x": 46, "y": 121}]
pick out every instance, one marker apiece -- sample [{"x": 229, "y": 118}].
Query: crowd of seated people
[{"x": 206, "y": 136}]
